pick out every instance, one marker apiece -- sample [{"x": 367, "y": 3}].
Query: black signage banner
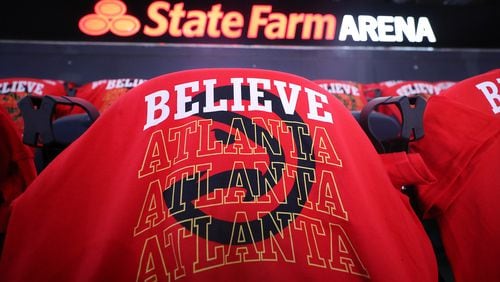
[{"x": 304, "y": 23}]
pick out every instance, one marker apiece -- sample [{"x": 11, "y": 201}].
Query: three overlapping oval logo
[{"x": 109, "y": 16}]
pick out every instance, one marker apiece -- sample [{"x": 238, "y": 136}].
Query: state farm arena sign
[
  {"x": 166, "y": 21},
  {"x": 272, "y": 22}
]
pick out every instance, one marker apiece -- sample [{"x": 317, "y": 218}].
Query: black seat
[
  {"x": 384, "y": 127},
  {"x": 48, "y": 135},
  {"x": 68, "y": 128}
]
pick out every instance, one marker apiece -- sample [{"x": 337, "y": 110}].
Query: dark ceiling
[{"x": 441, "y": 2}]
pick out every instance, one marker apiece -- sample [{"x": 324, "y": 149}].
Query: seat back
[
  {"x": 233, "y": 174},
  {"x": 48, "y": 135}
]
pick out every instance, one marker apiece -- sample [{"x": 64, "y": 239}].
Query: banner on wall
[{"x": 318, "y": 23}]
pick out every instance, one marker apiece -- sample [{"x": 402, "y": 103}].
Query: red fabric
[
  {"x": 441, "y": 86},
  {"x": 348, "y": 92},
  {"x": 462, "y": 149},
  {"x": 375, "y": 89},
  {"x": 407, "y": 169},
  {"x": 14, "y": 89},
  {"x": 103, "y": 93},
  {"x": 424, "y": 89},
  {"x": 411, "y": 88},
  {"x": 236, "y": 189},
  {"x": 17, "y": 169},
  {"x": 481, "y": 92}
]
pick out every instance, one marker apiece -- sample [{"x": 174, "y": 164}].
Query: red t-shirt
[
  {"x": 17, "y": 169},
  {"x": 462, "y": 149},
  {"x": 480, "y": 92},
  {"x": 14, "y": 89},
  {"x": 348, "y": 92},
  {"x": 103, "y": 93},
  {"x": 218, "y": 174}
]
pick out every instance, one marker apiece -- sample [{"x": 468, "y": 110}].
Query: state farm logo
[
  {"x": 262, "y": 22},
  {"x": 109, "y": 16}
]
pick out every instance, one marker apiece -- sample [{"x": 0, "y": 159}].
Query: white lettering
[
  {"x": 210, "y": 105},
  {"x": 406, "y": 28},
  {"x": 386, "y": 29},
  {"x": 289, "y": 93},
  {"x": 340, "y": 88},
  {"x": 490, "y": 92},
  {"x": 314, "y": 105},
  {"x": 111, "y": 84},
  {"x": 368, "y": 27},
  {"x": 424, "y": 29},
  {"x": 237, "y": 106},
  {"x": 288, "y": 104},
  {"x": 182, "y": 99},
  {"x": 31, "y": 87},
  {"x": 348, "y": 28},
  {"x": 416, "y": 88},
  {"x": 255, "y": 94},
  {"x": 118, "y": 83},
  {"x": 153, "y": 107},
  {"x": 96, "y": 84}
]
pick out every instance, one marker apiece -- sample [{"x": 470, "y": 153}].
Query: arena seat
[
  {"x": 69, "y": 128},
  {"x": 51, "y": 136},
  {"x": 381, "y": 129},
  {"x": 384, "y": 127}
]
